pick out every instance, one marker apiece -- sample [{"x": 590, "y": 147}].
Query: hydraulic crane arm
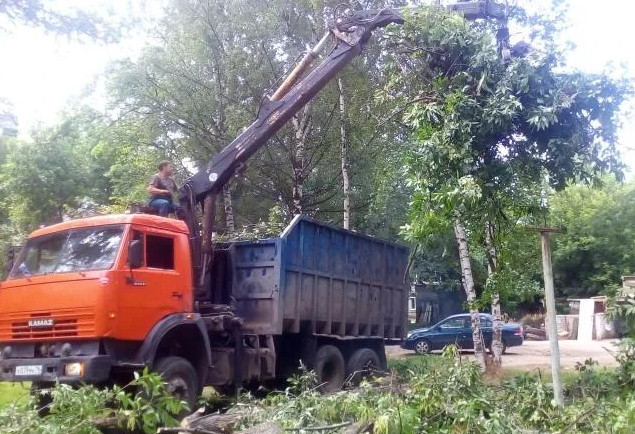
[{"x": 350, "y": 34}]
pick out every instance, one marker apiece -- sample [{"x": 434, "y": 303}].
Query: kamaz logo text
[{"x": 37, "y": 323}]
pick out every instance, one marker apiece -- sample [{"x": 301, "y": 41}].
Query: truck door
[{"x": 158, "y": 288}]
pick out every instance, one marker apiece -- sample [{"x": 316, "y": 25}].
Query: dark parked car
[{"x": 457, "y": 329}]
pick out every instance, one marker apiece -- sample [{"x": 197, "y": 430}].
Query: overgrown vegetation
[
  {"x": 444, "y": 394},
  {"x": 141, "y": 406},
  {"x": 452, "y": 397}
]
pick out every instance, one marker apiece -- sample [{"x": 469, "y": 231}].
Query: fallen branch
[
  {"x": 360, "y": 427},
  {"x": 188, "y": 430},
  {"x": 321, "y": 428}
]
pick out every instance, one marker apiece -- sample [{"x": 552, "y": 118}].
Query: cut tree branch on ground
[
  {"x": 187, "y": 430},
  {"x": 321, "y": 428}
]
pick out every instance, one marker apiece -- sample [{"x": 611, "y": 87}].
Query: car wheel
[
  {"x": 423, "y": 346},
  {"x": 362, "y": 364},
  {"x": 330, "y": 368},
  {"x": 180, "y": 378}
]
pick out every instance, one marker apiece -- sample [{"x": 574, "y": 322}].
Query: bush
[
  {"x": 447, "y": 395},
  {"x": 79, "y": 410},
  {"x": 533, "y": 320}
]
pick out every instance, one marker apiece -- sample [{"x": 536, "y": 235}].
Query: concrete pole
[{"x": 552, "y": 327}]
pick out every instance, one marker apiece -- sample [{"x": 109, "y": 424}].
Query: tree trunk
[
  {"x": 346, "y": 187},
  {"x": 221, "y": 129},
  {"x": 468, "y": 285},
  {"x": 229, "y": 209},
  {"x": 301, "y": 125},
  {"x": 492, "y": 268}
]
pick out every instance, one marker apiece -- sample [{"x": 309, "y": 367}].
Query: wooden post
[{"x": 550, "y": 301}]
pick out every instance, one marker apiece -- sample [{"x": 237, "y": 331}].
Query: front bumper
[
  {"x": 96, "y": 369},
  {"x": 408, "y": 344}
]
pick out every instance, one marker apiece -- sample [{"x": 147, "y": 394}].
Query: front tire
[
  {"x": 330, "y": 368},
  {"x": 180, "y": 378},
  {"x": 423, "y": 347},
  {"x": 43, "y": 397}
]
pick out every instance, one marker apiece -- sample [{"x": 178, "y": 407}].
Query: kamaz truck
[{"x": 93, "y": 300}]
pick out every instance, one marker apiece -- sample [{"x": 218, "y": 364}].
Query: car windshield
[{"x": 68, "y": 251}]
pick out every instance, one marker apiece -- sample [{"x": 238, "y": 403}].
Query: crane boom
[{"x": 350, "y": 34}]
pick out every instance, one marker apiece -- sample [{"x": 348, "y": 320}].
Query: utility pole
[{"x": 550, "y": 301}]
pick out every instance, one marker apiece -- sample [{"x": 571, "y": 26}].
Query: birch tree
[
  {"x": 486, "y": 131},
  {"x": 346, "y": 183}
]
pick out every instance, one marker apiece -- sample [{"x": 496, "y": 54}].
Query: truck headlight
[
  {"x": 5, "y": 353},
  {"x": 74, "y": 369}
]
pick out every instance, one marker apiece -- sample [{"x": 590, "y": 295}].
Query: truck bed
[{"x": 320, "y": 279}]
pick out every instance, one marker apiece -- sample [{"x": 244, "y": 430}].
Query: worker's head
[{"x": 165, "y": 168}]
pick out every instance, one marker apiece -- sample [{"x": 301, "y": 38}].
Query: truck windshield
[{"x": 68, "y": 251}]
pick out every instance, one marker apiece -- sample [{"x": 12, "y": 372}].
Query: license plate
[{"x": 28, "y": 370}]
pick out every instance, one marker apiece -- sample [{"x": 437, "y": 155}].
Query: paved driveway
[{"x": 535, "y": 354}]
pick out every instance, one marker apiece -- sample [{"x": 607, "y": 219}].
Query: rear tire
[
  {"x": 362, "y": 364},
  {"x": 329, "y": 368},
  {"x": 180, "y": 378}
]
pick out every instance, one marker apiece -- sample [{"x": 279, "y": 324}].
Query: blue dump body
[{"x": 320, "y": 279}]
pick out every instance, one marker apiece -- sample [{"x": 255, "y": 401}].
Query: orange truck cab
[
  {"x": 72, "y": 304},
  {"x": 95, "y": 299}
]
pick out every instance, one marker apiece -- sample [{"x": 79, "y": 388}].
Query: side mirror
[
  {"x": 11, "y": 257},
  {"x": 135, "y": 254}
]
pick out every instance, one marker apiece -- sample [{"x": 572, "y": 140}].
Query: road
[{"x": 535, "y": 354}]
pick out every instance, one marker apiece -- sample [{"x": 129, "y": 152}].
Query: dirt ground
[{"x": 535, "y": 354}]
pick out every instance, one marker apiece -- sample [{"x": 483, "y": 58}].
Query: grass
[
  {"x": 420, "y": 364},
  {"x": 13, "y": 392},
  {"x": 416, "y": 364}
]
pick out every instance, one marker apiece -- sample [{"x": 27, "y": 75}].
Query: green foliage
[
  {"x": 78, "y": 23},
  {"x": 442, "y": 394},
  {"x": 41, "y": 178},
  {"x": 151, "y": 407},
  {"x": 143, "y": 404},
  {"x": 598, "y": 246},
  {"x": 13, "y": 393},
  {"x": 447, "y": 395}
]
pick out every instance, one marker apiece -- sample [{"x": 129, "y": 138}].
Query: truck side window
[
  {"x": 159, "y": 252},
  {"x": 138, "y": 236}
]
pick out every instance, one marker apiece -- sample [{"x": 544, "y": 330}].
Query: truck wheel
[
  {"x": 422, "y": 346},
  {"x": 362, "y": 364},
  {"x": 330, "y": 368},
  {"x": 43, "y": 397},
  {"x": 180, "y": 378}
]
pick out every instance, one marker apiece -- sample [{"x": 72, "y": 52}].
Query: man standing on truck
[{"x": 162, "y": 189}]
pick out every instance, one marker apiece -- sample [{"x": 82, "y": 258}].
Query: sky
[{"x": 40, "y": 73}]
